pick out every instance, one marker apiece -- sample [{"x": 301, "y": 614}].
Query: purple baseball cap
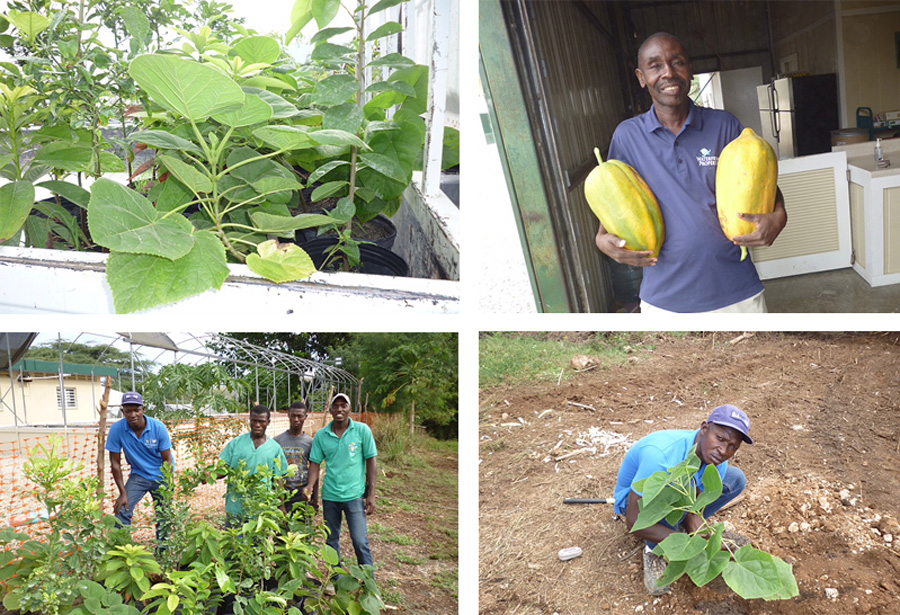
[
  {"x": 734, "y": 417},
  {"x": 132, "y": 398}
]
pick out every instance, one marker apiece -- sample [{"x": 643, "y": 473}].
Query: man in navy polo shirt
[
  {"x": 717, "y": 440},
  {"x": 675, "y": 147},
  {"x": 147, "y": 446}
]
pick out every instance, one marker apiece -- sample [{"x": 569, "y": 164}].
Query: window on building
[{"x": 70, "y": 398}]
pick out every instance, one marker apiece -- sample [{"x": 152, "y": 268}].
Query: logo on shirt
[
  {"x": 706, "y": 159},
  {"x": 354, "y": 446}
]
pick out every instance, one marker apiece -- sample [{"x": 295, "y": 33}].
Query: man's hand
[
  {"x": 370, "y": 504},
  {"x": 614, "y": 247},
  {"x": 692, "y": 523},
  {"x": 121, "y": 501},
  {"x": 768, "y": 226}
]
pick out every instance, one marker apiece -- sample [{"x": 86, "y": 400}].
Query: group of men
[{"x": 345, "y": 446}]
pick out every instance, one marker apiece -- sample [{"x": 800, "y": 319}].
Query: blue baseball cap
[
  {"x": 734, "y": 417},
  {"x": 132, "y": 399}
]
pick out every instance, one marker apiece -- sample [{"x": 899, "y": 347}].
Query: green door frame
[{"x": 519, "y": 157}]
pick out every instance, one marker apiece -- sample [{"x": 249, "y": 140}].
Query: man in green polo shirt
[
  {"x": 255, "y": 449},
  {"x": 348, "y": 450}
]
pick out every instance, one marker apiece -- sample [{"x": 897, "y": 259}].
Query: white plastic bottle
[{"x": 879, "y": 155}]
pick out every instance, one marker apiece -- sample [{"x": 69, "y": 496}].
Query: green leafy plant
[
  {"x": 40, "y": 574},
  {"x": 215, "y": 140},
  {"x": 703, "y": 555},
  {"x": 97, "y": 600},
  {"x": 356, "y": 96},
  {"x": 127, "y": 569}
]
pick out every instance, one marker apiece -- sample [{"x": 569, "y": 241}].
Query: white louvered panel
[
  {"x": 892, "y": 230},
  {"x": 812, "y": 227},
  {"x": 858, "y": 222}
]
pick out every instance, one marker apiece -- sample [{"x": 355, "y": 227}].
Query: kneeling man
[{"x": 717, "y": 440}]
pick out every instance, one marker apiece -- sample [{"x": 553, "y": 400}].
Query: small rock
[
  {"x": 845, "y": 496},
  {"x": 504, "y": 416},
  {"x": 794, "y": 527},
  {"x": 604, "y": 606},
  {"x": 824, "y": 504},
  {"x": 804, "y": 527},
  {"x": 831, "y": 592},
  {"x": 889, "y": 538},
  {"x": 778, "y": 530}
]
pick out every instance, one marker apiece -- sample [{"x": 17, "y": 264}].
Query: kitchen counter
[{"x": 862, "y": 156}]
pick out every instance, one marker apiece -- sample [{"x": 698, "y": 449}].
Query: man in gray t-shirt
[{"x": 296, "y": 445}]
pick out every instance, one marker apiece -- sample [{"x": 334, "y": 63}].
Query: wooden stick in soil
[
  {"x": 327, "y": 406},
  {"x": 101, "y": 437}
]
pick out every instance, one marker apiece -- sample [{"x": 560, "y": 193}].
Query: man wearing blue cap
[
  {"x": 717, "y": 440},
  {"x": 147, "y": 446}
]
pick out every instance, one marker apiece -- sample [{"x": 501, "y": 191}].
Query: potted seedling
[{"x": 377, "y": 96}]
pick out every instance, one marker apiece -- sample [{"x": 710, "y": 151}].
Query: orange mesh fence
[{"x": 194, "y": 442}]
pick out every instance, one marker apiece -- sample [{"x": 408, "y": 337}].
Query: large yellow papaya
[
  {"x": 625, "y": 205},
  {"x": 746, "y": 181}
]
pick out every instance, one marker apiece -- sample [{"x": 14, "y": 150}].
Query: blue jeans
[
  {"x": 137, "y": 487},
  {"x": 732, "y": 485},
  {"x": 355, "y": 511}
]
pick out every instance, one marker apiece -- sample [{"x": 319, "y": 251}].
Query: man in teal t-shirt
[
  {"x": 256, "y": 449},
  {"x": 348, "y": 450}
]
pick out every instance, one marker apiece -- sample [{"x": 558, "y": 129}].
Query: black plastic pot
[
  {"x": 374, "y": 259},
  {"x": 385, "y": 231}
]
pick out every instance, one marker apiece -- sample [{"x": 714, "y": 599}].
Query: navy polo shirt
[
  {"x": 144, "y": 453},
  {"x": 699, "y": 269}
]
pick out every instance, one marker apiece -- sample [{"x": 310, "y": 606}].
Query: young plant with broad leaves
[
  {"x": 705, "y": 554},
  {"x": 215, "y": 141},
  {"x": 378, "y": 96}
]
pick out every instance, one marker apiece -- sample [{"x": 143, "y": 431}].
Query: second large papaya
[{"x": 746, "y": 182}]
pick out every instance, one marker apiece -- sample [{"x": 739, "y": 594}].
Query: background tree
[
  {"x": 96, "y": 354},
  {"x": 399, "y": 369}
]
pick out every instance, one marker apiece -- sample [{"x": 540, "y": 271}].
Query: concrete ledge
[{"x": 37, "y": 281}]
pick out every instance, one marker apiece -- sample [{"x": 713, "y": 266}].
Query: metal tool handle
[{"x": 588, "y": 501}]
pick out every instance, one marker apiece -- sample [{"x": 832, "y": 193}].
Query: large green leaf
[
  {"x": 254, "y": 111},
  {"x": 704, "y": 567},
  {"x": 187, "y": 174},
  {"x": 257, "y": 49},
  {"x": 325, "y": 169},
  {"x": 141, "y": 281},
  {"x": 392, "y": 60},
  {"x": 680, "y": 547},
  {"x": 334, "y": 90},
  {"x": 163, "y": 140},
  {"x": 16, "y": 200},
  {"x": 122, "y": 220},
  {"x": 186, "y": 87},
  {"x": 281, "y": 262},
  {"x": 327, "y": 189},
  {"x": 401, "y": 87},
  {"x": 757, "y": 574}
]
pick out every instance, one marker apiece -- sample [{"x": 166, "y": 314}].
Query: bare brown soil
[{"x": 824, "y": 409}]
